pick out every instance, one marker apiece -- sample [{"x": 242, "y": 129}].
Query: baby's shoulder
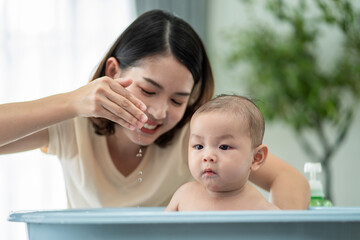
[
  {"x": 190, "y": 186},
  {"x": 184, "y": 192},
  {"x": 270, "y": 206},
  {"x": 263, "y": 204}
]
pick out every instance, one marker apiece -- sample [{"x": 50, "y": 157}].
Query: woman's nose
[{"x": 158, "y": 111}]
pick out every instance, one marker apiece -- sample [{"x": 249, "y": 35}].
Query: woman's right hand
[
  {"x": 108, "y": 98},
  {"x": 23, "y": 125}
]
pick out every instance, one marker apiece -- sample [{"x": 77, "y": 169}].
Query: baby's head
[
  {"x": 241, "y": 110},
  {"x": 225, "y": 142}
]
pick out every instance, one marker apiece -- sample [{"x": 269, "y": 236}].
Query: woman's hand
[
  {"x": 104, "y": 97},
  {"x": 108, "y": 98}
]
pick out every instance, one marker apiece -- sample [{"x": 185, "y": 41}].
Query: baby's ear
[{"x": 259, "y": 157}]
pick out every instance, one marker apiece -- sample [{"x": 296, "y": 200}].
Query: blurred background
[{"x": 299, "y": 59}]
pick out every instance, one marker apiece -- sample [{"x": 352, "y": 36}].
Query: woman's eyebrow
[
  {"x": 157, "y": 85},
  {"x": 149, "y": 80}
]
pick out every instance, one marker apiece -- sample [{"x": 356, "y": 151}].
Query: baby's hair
[{"x": 241, "y": 107}]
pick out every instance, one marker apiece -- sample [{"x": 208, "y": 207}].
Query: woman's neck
[{"x": 123, "y": 152}]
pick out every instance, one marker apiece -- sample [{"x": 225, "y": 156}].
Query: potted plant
[{"x": 286, "y": 75}]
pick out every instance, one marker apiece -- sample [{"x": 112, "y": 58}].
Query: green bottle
[{"x": 317, "y": 194}]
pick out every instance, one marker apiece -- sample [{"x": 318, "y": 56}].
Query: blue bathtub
[{"x": 152, "y": 223}]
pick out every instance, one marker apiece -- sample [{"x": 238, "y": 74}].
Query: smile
[{"x": 150, "y": 128}]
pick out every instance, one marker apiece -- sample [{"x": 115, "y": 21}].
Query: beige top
[{"x": 92, "y": 180}]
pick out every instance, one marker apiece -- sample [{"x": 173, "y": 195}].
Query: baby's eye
[
  {"x": 224, "y": 147},
  {"x": 198, "y": 147}
]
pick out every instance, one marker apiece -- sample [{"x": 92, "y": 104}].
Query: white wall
[
  {"x": 43, "y": 51},
  {"x": 281, "y": 140}
]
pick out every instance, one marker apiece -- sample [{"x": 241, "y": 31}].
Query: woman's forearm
[
  {"x": 104, "y": 98},
  {"x": 288, "y": 188},
  {"x": 18, "y": 120}
]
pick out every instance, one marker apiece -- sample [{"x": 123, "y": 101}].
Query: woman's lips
[{"x": 150, "y": 128}]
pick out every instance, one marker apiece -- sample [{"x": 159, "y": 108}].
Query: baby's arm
[
  {"x": 174, "y": 202},
  {"x": 173, "y": 206},
  {"x": 261, "y": 203},
  {"x": 178, "y": 196}
]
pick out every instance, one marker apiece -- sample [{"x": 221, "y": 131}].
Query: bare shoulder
[
  {"x": 190, "y": 186},
  {"x": 270, "y": 206},
  {"x": 263, "y": 204},
  {"x": 181, "y": 195},
  {"x": 259, "y": 201}
]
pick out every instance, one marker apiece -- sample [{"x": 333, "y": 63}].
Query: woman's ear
[
  {"x": 112, "y": 68},
  {"x": 259, "y": 157}
]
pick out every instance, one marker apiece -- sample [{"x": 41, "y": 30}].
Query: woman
[{"x": 122, "y": 138}]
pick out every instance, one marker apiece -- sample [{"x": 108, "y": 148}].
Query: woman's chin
[{"x": 143, "y": 140}]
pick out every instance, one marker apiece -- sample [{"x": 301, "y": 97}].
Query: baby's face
[{"x": 220, "y": 151}]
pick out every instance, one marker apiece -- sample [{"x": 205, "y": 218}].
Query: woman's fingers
[
  {"x": 123, "y": 99},
  {"x": 109, "y": 98},
  {"x": 121, "y": 113},
  {"x": 105, "y": 113},
  {"x": 119, "y": 86},
  {"x": 120, "y": 105}
]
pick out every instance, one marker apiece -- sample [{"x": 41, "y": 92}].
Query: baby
[{"x": 225, "y": 146}]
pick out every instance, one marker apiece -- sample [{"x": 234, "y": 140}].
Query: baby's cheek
[
  {"x": 194, "y": 166},
  {"x": 238, "y": 174}
]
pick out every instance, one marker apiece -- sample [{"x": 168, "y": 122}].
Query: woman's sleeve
[{"x": 61, "y": 135}]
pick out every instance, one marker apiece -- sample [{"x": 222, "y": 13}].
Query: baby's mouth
[{"x": 208, "y": 172}]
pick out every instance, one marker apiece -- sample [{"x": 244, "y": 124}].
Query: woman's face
[{"x": 164, "y": 85}]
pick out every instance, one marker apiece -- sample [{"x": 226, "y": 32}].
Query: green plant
[{"x": 287, "y": 77}]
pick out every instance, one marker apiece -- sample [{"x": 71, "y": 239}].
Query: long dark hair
[{"x": 160, "y": 33}]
